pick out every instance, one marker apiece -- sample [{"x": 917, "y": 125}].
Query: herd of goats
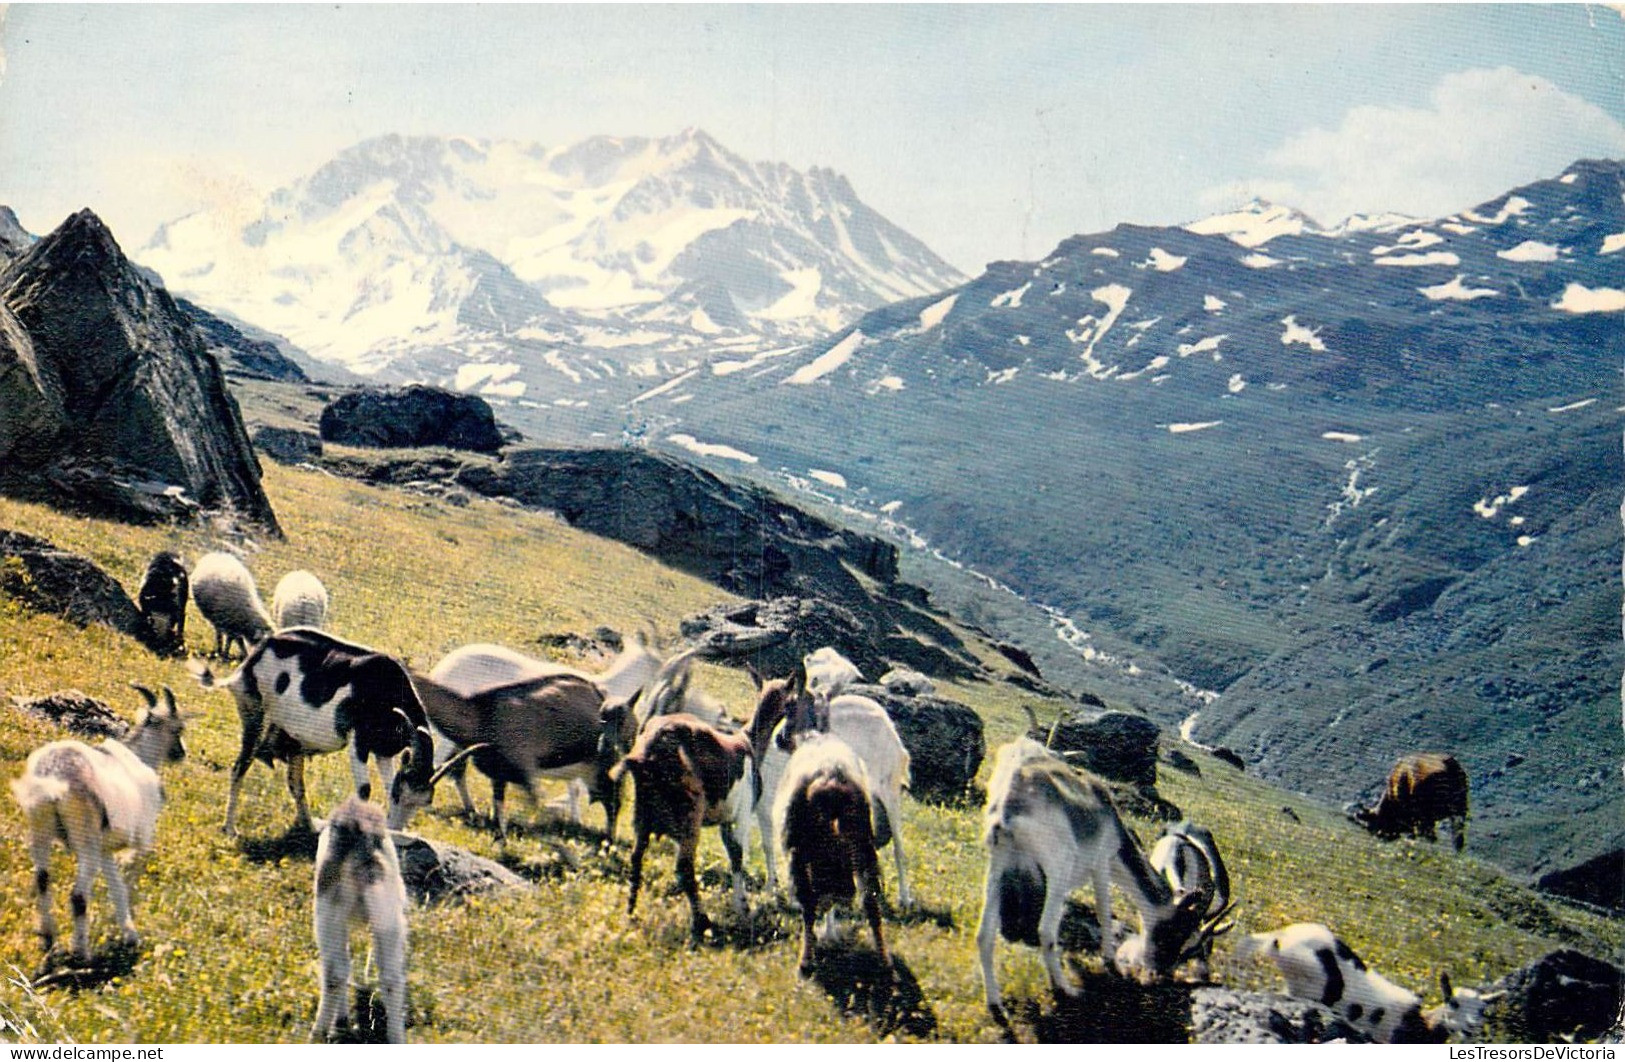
[{"x": 820, "y": 771}]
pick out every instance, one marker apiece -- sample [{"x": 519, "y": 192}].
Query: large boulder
[
  {"x": 944, "y": 739},
  {"x": 1599, "y": 880},
  {"x": 290, "y": 446},
  {"x": 1563, "y": 994},
  {"x": 112, "y": 403},
  {"x": 411, "y": 416},
  {"x": 46, "y": 579},
  {"x": 433, "y": 871},
  {"x": 1119, "y": 746},
  {"x": 1226, "y": 1016}
]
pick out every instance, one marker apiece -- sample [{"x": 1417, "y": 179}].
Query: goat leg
[
  {"x": 869, "y": 883},
  {"x": 689, "y": 882},
  {"x": 296, "y": 789},
  {"x": 801, "y": 883},
  {"x": 639, "y": 846}
]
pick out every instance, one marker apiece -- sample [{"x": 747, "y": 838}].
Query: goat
[
  {"x": 300, "y": 600},
  {"x": 476, "y": 668},
  {"x": 98, "y": 800},
  {"x": 828, "y": 672},
  {"x": 823, "y": 817},
  {"x": 554, "y": 726},
  {"x": 1421, "y": 790},
  {"x": 358, "y": 879},
  {"x": 1048, "y": 830},
  {"x": 687, "y": 775},
  {"x": 866, "y": 728},
  {"x": 1320, "y": 967},
  {"x": 162, "y": 603},
  {"x": 225, "y": 593},
  {"x": 1189, "y": 858},
  {"x": 303, "y": 692}
]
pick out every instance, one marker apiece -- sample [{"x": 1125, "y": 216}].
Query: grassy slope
[{"x": 227, "y": 953}]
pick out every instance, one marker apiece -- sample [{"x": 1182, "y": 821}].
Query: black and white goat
[
  {"x": 867, "y": 730},
  {"x": 302, "y": 692},
  {"x": 1188, "y": 857},
  {"x": 98, "y": 800},
  {"x": 358, "y": 880},
  {"x": 300, "y": 600},
  {"x": 1318, "y": 966},
  {"x": 162, "y": 602},
  {"x": 823, "y": 816},
  {"x": 224, "y": 590},
  {"x": 554, "y": 726},
  {"x": 1050, "y": 829}
]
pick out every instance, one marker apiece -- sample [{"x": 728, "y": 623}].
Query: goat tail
[{"x": 34, "y": 790}]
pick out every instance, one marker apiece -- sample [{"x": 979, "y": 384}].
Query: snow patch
[
  {"x": 1577, "y": 298},
  {"x": 833, "y": 479},
  {"x": 1568, "y": 178},
  {"x": 891, "y": 507},
  {"x": 1489, "y": 508},
  {"x": 1613, "y": 243},
  {"x": 1260, "y": 261},
  {"x": 1458, "y": 228},
  {"x": 829, "y": 361},
  {"x": 1514, "y": 206},
  {"x": 1431, "y": 258},
  {"x": 1342, "y": 436},
  {"x": 1252, "y": 226},
  {"x": 1090, "y": 330},
  {"x": 1201, "y": 346},
  {"x": 1457, "y": 290},
  {"x": 932, "y": 315},
  {"x": 1212, "y": 303},
  {"x": 1237, "y": 384},
  {"x": 670, "y": 385},
  {"x": 693, "y": 445},
  {"x": 1584, "y": 402},
  {"x": 1182, "y": 429},
  {"x": 1163, "y": 262},
  {"x": 1105, "y": 252},
  {"x": 1011, "y": 299},
  {"x": 1297, "y": 333},
  {"x": 886, "y": 383},
  {"x": 1003, "y": 376},
  {"x": 1529, "y": 251}
]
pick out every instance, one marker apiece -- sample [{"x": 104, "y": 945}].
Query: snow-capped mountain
[
  {"x": 481, "y": 263},
  {"x": 1364, "y": 481}
]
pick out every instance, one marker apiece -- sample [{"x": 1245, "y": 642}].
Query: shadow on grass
[
  {"x": 61, "y": 970},
  {"x": 860, "y": 984},
  {"x": 1108, "y": 1009},
  {"x": 296, "y": 843}
]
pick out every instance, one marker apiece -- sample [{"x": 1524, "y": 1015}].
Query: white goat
[
  {"x": 866, "y": 728},
  {"x": 828, "y": 672},
  {"x": 98, "y": 800},
  {"x": 358, "y": 880},
  {"x": 300, "y": 600},
  {"x": 224, "y": 591},
  {"x": 1318, "y": 966},
  {"x": 1049, "y": 830},
  {"x": 1188, "y": 857}
]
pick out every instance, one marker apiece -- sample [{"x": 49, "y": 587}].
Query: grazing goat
[
  {"x": 162, "y": 602},
  {"x": 1320, "y": 967},
  {"x": 687, "y": 775},
  {"x": 554, "y": 726},
  {"x": 1422, "y": 789},
  {"x": 98, "y": 799},
  {"x": 300, "y": 600},
  {"x": 828, "y": 672},
  {"x": 867, "y": 730},
  {"x": 358, "y": 880},
  {"x": 476, "y": 668},
  {"x": 303, "y": 692},
  {"x": 225, "y": 593},
  {"x": 1189, "y": 858},
  {"x": 1049, "y": 829},
  {"x": 823, "y": 817}
]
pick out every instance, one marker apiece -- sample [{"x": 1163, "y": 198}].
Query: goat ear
[
  {"x": 169, "y": 701},
  {"x": 755, "y": 676}
]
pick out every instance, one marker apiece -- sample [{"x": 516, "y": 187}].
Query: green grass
[{"x": 227, "y": 953}]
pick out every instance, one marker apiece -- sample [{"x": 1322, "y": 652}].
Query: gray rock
[
  {"x": 75, "y": 711},
  {"x": 907, "y": 683},
  {"x": 411, "y": 416},
  {"x": 434, "y": 871},
  {"x": 1226, "y": 1016},
  {"x": 290, "y": 446},
  {"x": 113, "y": 403},
  {"x": 774, "y": 635},
  {"x": 1119, "y": 746},
  {"x": 944, "y": 738},
  {"x": 46, "y": 579},
  {"x": 1562, "y": 994}
]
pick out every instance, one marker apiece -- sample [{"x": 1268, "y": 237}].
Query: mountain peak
[{"x": 1255, "y": 223}]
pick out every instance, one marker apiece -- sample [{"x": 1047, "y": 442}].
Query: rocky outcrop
[
  {"x": 1118, "y": 746},
  {"x": 411, "y": 416},
  {"x": 944, "y": 739},
  {"x": 1563, "y": 994},
  {"x": 774, "y": 635},
  {"x": 290, "y": 446},
  {"x": 46, "y": 579},
  {"x": 1599, "y": 881},
  {"x": 239, "y": 352},
  {"x": 77, "y": 712},
  {"x": 434, "y": 871},
  {"x": 1225, "y": 1016},
  {"x": 112, "y": 403}
]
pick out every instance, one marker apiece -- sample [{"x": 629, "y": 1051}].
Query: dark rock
[
  {"x": 774, "y": 635},
  {"x": 944, "y": 739},
  {"x": 46, "y": 579},
  {"x": 1119, "y": 746},
  {"x": 1287, "y": 811},
  {"x": 1230, "y": 756},
  {"x": 240, "y": 353},
  {"x": 113, "y": 404},
  {"x": 75, "y": 711},
  {"x": 411, "y": 416},
  {"x": 1599, "y": 881},
  {"x": 434, "y": 871},
  {"x": 1019, "y": 657},
  {"x": 290, "y": 446},
  {"x": 1180, "y": 762},
  {"x": 14, "y": 239},
  {"x": 1565, "y": 993},
  {"x": 1226, "y": 1016}
]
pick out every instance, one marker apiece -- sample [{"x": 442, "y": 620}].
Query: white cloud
[{"x": 1479, "y": 133}]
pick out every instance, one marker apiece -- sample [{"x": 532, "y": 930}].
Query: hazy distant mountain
[
  {"x": 1363, "y": 482},
  {"x": 508, "y": 267}
]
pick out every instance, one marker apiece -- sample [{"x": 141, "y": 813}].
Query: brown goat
[
  {"x": 824, "y": 820},
  {"x": 687, "y": 775},
  {"x": 1422, "y": 789}
]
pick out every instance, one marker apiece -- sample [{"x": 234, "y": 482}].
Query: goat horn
[
  {"x": 169, "y": 699},
  {"x": 146, "y": 694},
  {"x": 440, "y": 772},
  {"x": 1032, "y": 716}
]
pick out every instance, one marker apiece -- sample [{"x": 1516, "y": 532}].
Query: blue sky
[{"x": 989, "y": 131}]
